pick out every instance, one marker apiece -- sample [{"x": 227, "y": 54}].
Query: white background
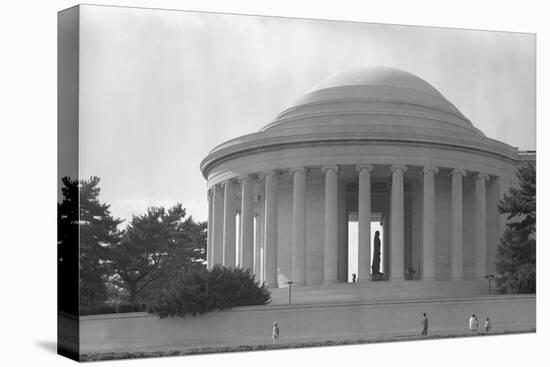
[{"x": 28, "y": 181}]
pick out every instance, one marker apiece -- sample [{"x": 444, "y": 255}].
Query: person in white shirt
[{"x": 472, "y": 323}]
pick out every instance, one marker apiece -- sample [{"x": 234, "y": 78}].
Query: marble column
[
  {"x": 503, "y": 185},
  {"x": 364, "y": 208},
  {"x": 428, "y": 223},
  {"x": 239, "y": 220},
  {"x": 457, "y": 227},
  {"x": 247, "y": 222},
  {"x": 481, "y": 224},
  {"x": 331, "y": 225},
  {"x": 385, "y": 247},
  {"x": 397, "y": 223},
  {"x": 258, "y": 246},
  {"x": 217, "y": 225},
  {"x": 257, "y": 249},
  {"x": 298, "y": 226},
  {"x": 229, "y": 230},
  {"x": 209, "y": 232},
  {"x": 270, "y": 229},
  {"x": 342, "y": 229}
]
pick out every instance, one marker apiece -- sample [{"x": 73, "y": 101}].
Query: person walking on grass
[
  {"x": 425, "y": 325},
  {"x": 275, "y": 334}
]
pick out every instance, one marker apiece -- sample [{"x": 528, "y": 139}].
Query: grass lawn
[{"x": 180, "y": 351}]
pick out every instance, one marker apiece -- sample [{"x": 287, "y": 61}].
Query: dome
[
  {"x": 371, "y": 97},
  {"x": 376, "y": 76},
  {"x": 375, "y": 111}
]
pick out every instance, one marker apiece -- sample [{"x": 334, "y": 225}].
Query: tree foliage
[
  {"x": 156, "y": 246},
  {"x": 83, "y": 220},
  {"x": 67, "y": 248},
  {"x": 520, "y": 203},
  {"x": 516, "y": 254},
  {"x": 105, "y": 264},
  {"x": 199, "y": 290}
]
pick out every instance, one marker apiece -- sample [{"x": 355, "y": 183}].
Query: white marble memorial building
[{"x": 373, "y": 144}]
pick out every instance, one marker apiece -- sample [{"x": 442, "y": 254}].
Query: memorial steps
[{"x": 380, "y": 291}]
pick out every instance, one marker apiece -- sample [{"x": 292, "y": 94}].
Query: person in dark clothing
[
  {"x": 425, "y": 325},
  {"x": 275, "y": 335},
  {"x": 487, "y": 325},
  {"x": 376, "y": 254}
]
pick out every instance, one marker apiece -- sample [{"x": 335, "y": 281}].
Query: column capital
[
  {"x": 293, "y": 170},
  {"x": 228, "y": 182},
  {"x": 398, "y": 167},
  {"x": 481, "y": 176},
  {"x": 248, "y": 176},
  {"x": 364, "y": 167},
  {"x": 428, "y": 169},
  {"x": 327, "y": 168},
  {"x": 264, "y": 174},
  {"x": 458, "y": 171}
]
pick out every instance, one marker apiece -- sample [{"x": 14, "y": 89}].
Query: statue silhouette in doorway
[{"x": 376, "y": 254}]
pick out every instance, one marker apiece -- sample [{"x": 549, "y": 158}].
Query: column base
[{"x": 332, "y": 282}]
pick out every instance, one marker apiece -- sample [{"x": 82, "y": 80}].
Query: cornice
[{"x": 267, "y": 141}]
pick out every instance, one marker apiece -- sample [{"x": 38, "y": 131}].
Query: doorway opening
[{"x": 376, "y": 224}]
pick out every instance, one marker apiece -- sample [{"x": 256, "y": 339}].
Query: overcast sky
[{"x": 159, "y": 89}]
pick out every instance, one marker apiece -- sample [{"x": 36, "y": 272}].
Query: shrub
[
  {"x": 199, "y": 290},
  {"x": 102, "y": 309}
]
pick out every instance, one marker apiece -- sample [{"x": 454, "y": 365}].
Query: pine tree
[
  {"x": 155, "y": 247},
  {"x": 82, "y": 213},
  {"x": 67, "y": 248},
  {"x": 516, "y": 254}
]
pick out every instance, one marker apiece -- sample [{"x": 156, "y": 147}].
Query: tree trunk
[{"x": 132, "y": 290}]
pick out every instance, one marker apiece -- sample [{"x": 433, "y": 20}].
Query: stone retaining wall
[{"x": 253, "y": 325}]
